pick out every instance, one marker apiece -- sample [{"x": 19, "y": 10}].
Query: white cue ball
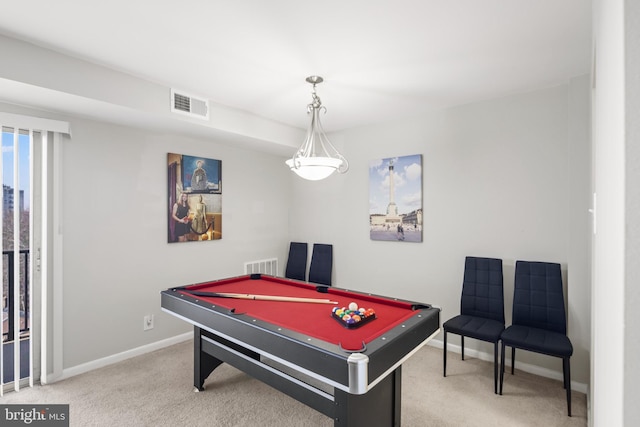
[{"x": 353, "y": 306}]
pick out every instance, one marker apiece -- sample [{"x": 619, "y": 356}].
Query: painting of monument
[{"x": 395, "y": 199}]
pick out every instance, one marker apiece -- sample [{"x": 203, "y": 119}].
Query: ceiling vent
[{"x": 189, "y": 105}]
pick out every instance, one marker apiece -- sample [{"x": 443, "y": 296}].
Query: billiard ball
[{"x": 353, "y": 306}]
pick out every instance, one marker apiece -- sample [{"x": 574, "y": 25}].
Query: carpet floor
[{"x": 156, "y": 389}]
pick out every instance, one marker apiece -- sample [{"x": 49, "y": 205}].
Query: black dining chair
[
  {"x": 481, "y": 308},
  {"x": 297, "y": 261},
  {"x": 321, "y": 264},
  {"x": 539, "y": 321}
]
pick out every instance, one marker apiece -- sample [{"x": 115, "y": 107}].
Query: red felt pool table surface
[{"x": 311, "y": 319}]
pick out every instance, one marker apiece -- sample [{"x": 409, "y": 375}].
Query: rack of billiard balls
[{"x": 353, "y": 316}]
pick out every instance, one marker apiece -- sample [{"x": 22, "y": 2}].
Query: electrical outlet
[{"x": 148, "y": 322}]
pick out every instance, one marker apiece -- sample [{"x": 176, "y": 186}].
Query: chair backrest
[
  {"x": 321, "y": 264},
  {"x": 538, "y": 299},
  {"x": 297, "y": 261},
  {"x": 482, "y": 288}
]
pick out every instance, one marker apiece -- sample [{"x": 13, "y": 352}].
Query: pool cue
[{"x": 262, "y": 297}]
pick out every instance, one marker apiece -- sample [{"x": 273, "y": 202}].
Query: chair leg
[
  {"x": 501, "y": 368},
  {"x": 513, "y": 359},
  {"x": 567, "y": 381},
  {"x": 462, "y": 344},
  {"x": 444, "y": 364},
  {"x": 495, "y": 367}
]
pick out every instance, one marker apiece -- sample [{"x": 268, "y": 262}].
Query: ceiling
[{"x": 380, "y": 59}]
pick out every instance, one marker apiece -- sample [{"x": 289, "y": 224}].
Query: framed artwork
[
  {"x": 200, "y": 175},
  {"x": 395, "y": 199},
  {"x": 194, "y": 198}
]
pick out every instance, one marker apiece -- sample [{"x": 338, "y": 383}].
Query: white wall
[
  {"x": 506, "y": 178},
  {"x": 42, "y": 78},
  {"x": 632, "y": 233},
  {"x": 116, "y": 255},
  {"x": 616, "y": 343}
]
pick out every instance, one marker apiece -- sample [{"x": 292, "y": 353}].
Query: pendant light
[{"x": 316, "y": 158}]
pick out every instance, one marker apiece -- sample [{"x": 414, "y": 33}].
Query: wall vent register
[{"x": 183, "y": 103}]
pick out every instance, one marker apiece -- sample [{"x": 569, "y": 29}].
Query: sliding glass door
[
  {"x": 31, "y": 292},
  {"x": 17, "y": 302}
]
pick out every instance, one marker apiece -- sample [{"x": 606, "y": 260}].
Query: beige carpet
[{"x": 156, "y": 390}]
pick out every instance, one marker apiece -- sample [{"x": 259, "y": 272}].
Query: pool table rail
[{"x": 346, "y": 385}]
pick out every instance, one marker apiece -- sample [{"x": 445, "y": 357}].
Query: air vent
[
  {"x": 183, "y": 103},
  {"x": 265, "y": 266}
]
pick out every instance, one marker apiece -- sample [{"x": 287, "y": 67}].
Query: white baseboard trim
[
  {"x": 110, "y": 360},
  {"x": 526, "y": 367}
]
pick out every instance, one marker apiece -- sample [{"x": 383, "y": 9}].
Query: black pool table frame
[{"x": 357, "y": 388}]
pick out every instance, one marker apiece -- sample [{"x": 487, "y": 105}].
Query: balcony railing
[{"x": 8, "y": 307}]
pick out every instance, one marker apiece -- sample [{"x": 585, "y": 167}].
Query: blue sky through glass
[
  {"x": 407, "y": 184},
  {"x": 23, "y": 165}
]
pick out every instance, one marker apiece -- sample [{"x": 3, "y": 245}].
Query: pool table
[{"x": 349, "y": 373}]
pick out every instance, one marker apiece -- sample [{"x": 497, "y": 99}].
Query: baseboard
[
  {"x": 526, "y": 367},
  {"x": 110, "y": 360},
  {"x": 106, "y": 361}
]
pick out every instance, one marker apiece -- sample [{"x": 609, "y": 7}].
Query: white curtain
[{"x": 41, "y": 191}]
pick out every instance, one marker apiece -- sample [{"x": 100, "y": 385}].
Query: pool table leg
[
  {"x": 203, "y": 363},
  {"x": 380, "y": 406}
]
